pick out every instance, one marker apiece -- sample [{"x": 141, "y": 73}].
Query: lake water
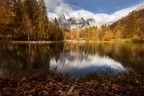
[{"x": 76, "y": 59}]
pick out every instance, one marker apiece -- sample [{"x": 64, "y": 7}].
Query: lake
[{"x": 75, "y": 58}]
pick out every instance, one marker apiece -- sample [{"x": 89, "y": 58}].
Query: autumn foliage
[{"x": 27, "y": 20}]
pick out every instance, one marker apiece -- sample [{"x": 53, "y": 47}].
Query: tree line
[
  {"x": 27, "y": 20},
  {"x": 102, "y": 33},
  {"x": 91, "y": 34}
]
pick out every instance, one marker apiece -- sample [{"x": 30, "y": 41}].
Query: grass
[
  {"x": 128, "y": 40},
  {"x": 42, "y": 86},
  {"x": 128, "y": 78},
  {"x": 123, "y": 40},
  {"x": 58, "y": 84},
  {"x": 135, "y": 40}
]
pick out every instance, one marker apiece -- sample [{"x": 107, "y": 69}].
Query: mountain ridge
[{"x": 72, "y": 23}]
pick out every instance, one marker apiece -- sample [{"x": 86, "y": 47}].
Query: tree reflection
[
  {"x": 35, "y": 58},
  {"x": 129, "y": 54},
  {"x": 25, "y": 58}
]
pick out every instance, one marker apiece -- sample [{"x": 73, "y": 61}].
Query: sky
[
  {"x": 103, "y": 11},
  {"x": 103, "y": 6}
]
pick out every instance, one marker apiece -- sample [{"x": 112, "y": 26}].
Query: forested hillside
[
  {"x": 27, "y": 20},
  {"x": 130, "y": 26}
]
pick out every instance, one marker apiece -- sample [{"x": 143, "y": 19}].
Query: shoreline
[
  {"x": 35, "y": 42},
  {"x": 75, "y": 41}
]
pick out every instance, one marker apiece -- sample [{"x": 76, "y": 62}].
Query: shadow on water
[
  {"x": 27, "y": 59},
  {"x": 73, "y": 58}
]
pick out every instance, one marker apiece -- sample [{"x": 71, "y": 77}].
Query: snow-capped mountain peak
[{"x": 74, "y": 22}]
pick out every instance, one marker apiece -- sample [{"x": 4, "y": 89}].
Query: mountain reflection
[
  {"x": 83, "y": 58},
  {"x": 82, "y": 66},
  {"x": 73, "y": 58}
]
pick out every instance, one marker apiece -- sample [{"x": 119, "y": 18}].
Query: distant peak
[
  {"x": 82, "y": 19},
  {"x": 73, "y": 22},
  {"x": 62, "y": 16}
]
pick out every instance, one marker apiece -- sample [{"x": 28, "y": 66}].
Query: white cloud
[
  {"x": 58, "y": 7},
  {"x": 118, "y": 14}
]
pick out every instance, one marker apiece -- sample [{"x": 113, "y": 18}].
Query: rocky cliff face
[{"x": 72, "y": 23}]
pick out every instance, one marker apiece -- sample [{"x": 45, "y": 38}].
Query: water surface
[{"x": 76, "y": 59}]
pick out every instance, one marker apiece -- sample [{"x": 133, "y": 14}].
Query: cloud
[
  {"x": 119, "y": 14},
  {"x": 58, "y": 7}
]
